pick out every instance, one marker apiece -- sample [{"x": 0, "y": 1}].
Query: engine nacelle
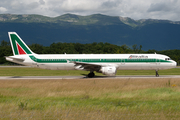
[
  {"x": 79, "y": 67},
  {"x": 110, "y": 71}
]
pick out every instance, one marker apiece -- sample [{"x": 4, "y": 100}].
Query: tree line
[{"x": 90, "y": 48}]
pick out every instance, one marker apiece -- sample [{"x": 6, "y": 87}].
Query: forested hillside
[
  {"x": 78, "y": 48},
  {"x": 69, "y": 28}
]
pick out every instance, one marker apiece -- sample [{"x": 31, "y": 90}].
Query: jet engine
[
  {"x": 79, "y": 67},
  {"x": 110, "y": 71}
]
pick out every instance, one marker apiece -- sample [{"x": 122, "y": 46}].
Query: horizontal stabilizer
[{"x": 13, "y": 58}]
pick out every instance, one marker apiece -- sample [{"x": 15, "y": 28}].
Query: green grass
[
  {"x": 90, "y": 99},
  {"x": 10, "y": 71},
  {"x": 37, "y": 72}
]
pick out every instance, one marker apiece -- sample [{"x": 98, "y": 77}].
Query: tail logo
[
  {"x": 20, "y": 50},
  {"x": 18, "y": 45}
]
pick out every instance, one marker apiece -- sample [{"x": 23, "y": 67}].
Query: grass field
[
  {"x": 13, "y": 71},
  {"x": 96, "y": 99}
]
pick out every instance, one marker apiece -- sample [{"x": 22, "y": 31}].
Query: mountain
[{"x": 150, "y": 33}]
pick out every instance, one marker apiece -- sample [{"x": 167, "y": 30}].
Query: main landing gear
[
  {"x": 157, "y": 75},
  {"x": 91, "y": 74}
]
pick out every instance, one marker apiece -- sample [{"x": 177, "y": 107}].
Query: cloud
[
  {"x": 41, "y": 2},
  {"x": 165, "y": 10},
  {"x": 2, "y": 9},
  {"x": 136, "y": 9},
  {"x": 78, "y": 5},
  {"x": 111, "y": 4},
  {"x": 158, "y": 7}
]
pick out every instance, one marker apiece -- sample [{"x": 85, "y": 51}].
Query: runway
[{"x": 82, "y": 77}]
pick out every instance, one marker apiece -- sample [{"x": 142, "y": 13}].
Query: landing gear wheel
[
  {"x": 157, "y": 75},
  {"x": 91, "y": 74}
]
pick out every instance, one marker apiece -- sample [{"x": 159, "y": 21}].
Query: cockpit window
[{"x": 167, "y": 59}]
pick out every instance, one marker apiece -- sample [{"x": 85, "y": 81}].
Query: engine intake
[{"x": 110, "y": 71}]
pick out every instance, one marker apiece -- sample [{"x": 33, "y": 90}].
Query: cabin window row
[{"x": 118, "y": 60}]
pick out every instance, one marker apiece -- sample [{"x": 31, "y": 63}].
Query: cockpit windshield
[{"x": 168, "y": 59}]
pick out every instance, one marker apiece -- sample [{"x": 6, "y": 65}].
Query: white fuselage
[{"x": 120, "y": 61}]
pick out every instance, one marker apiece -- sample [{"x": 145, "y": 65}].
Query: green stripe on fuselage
[
  {"x": 47, "y": 60},
  {"x": 97, "y": 60}
]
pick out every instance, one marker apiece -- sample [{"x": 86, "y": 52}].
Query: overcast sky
[{"x": 136, "y": 9}]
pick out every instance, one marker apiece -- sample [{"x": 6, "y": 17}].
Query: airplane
[{"x": 107, "y": 64}]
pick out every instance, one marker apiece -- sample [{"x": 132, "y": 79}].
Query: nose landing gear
[{"x": 157, "y": 74}]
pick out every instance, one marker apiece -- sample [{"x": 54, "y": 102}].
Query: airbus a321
[{"x": 106, "y": 64}]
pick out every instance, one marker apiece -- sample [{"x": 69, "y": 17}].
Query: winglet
[{"x": 18, "y": 45}]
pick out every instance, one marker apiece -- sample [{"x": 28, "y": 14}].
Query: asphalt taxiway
[{"x": 82, "y": 77}]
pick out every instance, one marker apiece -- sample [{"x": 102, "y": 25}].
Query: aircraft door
[
  {"x": 80, "y": 60},
  {"x": 122, "y": 61},
  {"x": 158, "y": 63}
]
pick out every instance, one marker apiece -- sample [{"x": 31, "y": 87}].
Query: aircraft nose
[{"x": 174, "y": 63}]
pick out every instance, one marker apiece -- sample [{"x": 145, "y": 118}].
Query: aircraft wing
[{"x": 87, "y": 66}]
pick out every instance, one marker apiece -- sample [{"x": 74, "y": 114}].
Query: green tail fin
[{"x": 18, "y": 45}]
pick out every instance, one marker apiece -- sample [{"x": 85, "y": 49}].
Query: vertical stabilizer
[{"x": 18, "y": 45}]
